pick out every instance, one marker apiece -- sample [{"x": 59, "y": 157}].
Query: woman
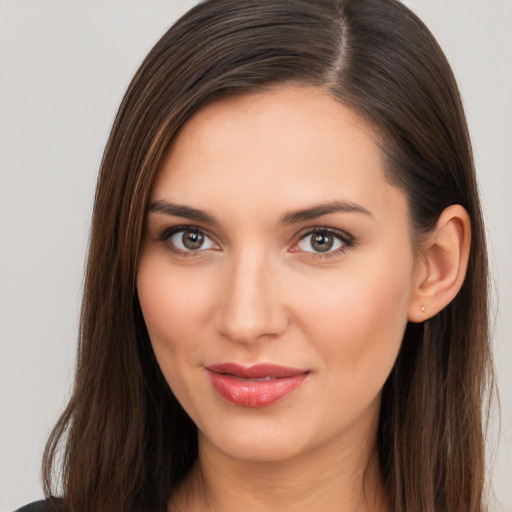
[{"x": 285, "y": 305}]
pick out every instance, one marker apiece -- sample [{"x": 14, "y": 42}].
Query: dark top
[{"x": 53, "y": 505}]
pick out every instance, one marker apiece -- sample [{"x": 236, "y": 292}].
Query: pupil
[
  {"x": 322, "y": 242},
  {"x": 192, "y": 239}
]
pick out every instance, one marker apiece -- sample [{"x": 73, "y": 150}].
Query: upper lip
[{"x": 257, "y": 371}]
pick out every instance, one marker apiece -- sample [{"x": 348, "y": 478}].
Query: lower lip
[{"x": 254, "y": 393}]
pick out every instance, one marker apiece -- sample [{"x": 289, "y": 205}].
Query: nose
[{"x": 251, "y": 308}]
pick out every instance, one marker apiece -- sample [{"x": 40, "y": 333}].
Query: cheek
[
  {"x": 357, "y": 320},
  {"x": 176, "y": 307}
]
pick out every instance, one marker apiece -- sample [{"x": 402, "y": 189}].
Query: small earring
[{"x": 422, "y": 309}]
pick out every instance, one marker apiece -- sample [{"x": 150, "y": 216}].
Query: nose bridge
[{"x": 251, "y": 308}]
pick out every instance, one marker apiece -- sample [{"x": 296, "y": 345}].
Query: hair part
[{"x": 126, "y": 441}]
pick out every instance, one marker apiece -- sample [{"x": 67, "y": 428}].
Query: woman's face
[{"x": 276, "y": 274}]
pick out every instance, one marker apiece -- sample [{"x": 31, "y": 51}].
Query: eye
[
  {"x": 187, "y": 239},
  {"x": 322, "y": 241}
]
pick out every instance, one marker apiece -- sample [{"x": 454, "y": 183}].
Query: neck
[{"x": 328, "y": 478}]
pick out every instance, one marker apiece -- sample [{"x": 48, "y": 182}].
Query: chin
[
  {"x": 259, "y": 441},
  {"x": 259, "y": 450}
]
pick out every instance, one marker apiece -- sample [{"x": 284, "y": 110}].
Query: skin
[{"x": 257, "y": 292}]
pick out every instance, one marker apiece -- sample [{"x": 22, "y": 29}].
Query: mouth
[{"x": 254, "y": 386}]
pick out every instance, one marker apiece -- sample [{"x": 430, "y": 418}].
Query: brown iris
[
  {"x": 322, "y": 242},
  {"x": 192, "y": 239}
]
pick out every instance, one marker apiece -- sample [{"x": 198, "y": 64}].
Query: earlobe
[{"x": 442, "y": 264}]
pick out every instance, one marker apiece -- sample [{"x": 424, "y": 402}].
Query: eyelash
[
  {"x": 347, "y": 240},
  {"x": 167, "y": 234}
]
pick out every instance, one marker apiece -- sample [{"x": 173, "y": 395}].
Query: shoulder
[{"x": 48, "y": 505}]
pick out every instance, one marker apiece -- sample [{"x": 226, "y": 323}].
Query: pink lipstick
[{"x": 254, "y": 386}]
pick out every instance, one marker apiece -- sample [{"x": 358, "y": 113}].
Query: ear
[{"x": 442, "y": 264}]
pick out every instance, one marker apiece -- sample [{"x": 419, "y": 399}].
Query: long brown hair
[{"x": 126, "y": 442}]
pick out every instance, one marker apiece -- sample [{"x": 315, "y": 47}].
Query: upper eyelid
[
  {"x": 347, "y": 240},
  {"x": 168, "y": 232},
  {"x": 345, "y": 237},
  {"x": 303, "y": 232},
  {"x": 165, "y": 236}
]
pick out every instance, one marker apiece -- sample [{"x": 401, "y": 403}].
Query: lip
[{"x": 254, "y": 386}]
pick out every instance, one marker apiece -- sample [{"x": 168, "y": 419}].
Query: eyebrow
[
  {"x": 180, "y": 210},
  {"x": 293, "y": 217},
  {"x": 323, "y": 209}
]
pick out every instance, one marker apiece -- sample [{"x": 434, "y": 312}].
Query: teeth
[{"x": 260, "y": 379}]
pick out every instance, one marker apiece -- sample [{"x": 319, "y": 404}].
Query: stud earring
[{"x": 422, "y": 309}]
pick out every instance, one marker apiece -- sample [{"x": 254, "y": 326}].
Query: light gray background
[{"x": 64, "y": 65}]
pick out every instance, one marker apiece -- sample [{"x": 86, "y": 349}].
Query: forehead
[{"x": 291, "y": 146}]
